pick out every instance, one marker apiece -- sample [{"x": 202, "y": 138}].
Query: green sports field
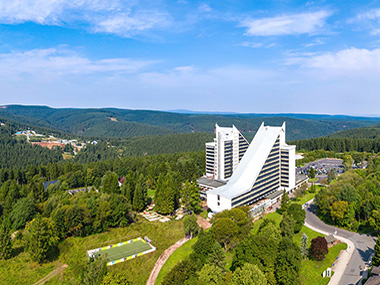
[{"x": 125, "y": 250}]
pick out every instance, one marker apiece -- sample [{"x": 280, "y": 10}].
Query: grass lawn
[
  {"x": 311, "y": 271},
  {"x": 310, "y": 234},
  {"x": 22, "y": 270},
  {"x": 163, "y": 235},
  {"x": 180, "y": 254},
  {"x": 273, "y": 216},
  {"x": 307, "y": 196}
]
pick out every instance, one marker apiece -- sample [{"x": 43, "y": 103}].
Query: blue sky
[{"x": 226, "y": 55}]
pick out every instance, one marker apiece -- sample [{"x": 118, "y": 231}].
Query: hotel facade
[
  {"x": 225, "y": 152},
  {"x": 266, "y": 166}
]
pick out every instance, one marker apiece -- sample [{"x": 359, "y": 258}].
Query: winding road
[{"x": 364, "y": 247}]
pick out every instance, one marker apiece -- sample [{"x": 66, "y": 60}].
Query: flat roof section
[
  {"x": 211, "y": 182},
  {"x": 300, "y": 178},
  {"x": 274, "y": 195}
]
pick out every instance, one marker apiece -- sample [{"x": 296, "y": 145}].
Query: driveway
[{"x": 364, "y": 247}]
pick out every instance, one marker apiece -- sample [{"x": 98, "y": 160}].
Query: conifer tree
[
  {"x": 376, "y": 258},
  {"x": 284, "y": 202},
  {"x": 166, "y": 194},
  {"x": 129, "y": 186},
  {"x": 41, "y": 236},
  {"x": 139, "y": 197},
  {"x": 304, "y": 247},
  {"x": 5, "y": 242}
]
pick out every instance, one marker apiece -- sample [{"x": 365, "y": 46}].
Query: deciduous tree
[
  {"x": 210, "y": 274},
  {"x": 338, "y": 210},
  {"x": 249, "y": 274},
  {"x": 318, "y": 248},
  {"x": 225, "y": 231},
  {"x": 298, "y": 214},
  {"x": 287, "y": 226}
]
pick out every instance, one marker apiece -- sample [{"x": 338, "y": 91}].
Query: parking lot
[{"x": 323, "y": 166}]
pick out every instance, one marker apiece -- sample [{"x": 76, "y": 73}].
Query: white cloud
[
  {"x": 56, "y": 63},
  {"x": 348, "y": 63},
  {"x": 205, "y": 8},
  {"x": 124, "y": 18},
  {"x": 252, "y": 45},
  {"x": 187, "y": 68},
  {"x": 295, "y": 24},
  {"x": 257, "y": 45},
  {"x": 125, "y": 24},
  {"x": 61, "y": 77},
  {"x": 371, "y": 18}
]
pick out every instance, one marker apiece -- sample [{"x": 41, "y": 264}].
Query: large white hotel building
[{"x": 252, "y": 171}]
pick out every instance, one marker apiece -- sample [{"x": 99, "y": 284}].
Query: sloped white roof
[{"x": 245, "y": 175}]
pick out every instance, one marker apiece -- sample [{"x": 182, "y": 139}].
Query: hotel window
[
  {"x": 218, "y": 197},
  {"x": 218, "y": 203}
]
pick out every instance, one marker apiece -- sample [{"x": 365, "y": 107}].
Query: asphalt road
[{"x": 364, "y": 247}]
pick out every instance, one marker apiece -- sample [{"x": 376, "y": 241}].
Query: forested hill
[
  {"x": 17, "y": 152},
  {"x": 142, "y": 146},
  {"x": 121, "y": 123},
  {"x": 359, "y": 139},
  {"x": 372, "y": 132}
]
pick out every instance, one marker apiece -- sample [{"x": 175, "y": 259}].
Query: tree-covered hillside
[
  {"x": 142, "y": 146},
  {"x": 360, "y": 139},
  {"x": 123, "y": 123},
  {"x": 17, "y": 152},
  {"x": 372, "y": 132}
]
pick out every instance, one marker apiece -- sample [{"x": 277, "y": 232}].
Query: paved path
[
  {"x": 56, "y": 271},
  {"x": 162, "y": 259},
  {"x": 362, "y": 246}
]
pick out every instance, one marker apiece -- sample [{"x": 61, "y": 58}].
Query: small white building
[{"x": 267, "y": 166}]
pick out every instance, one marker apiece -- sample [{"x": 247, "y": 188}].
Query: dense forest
[
  {"x": 17, "y": 152},
  {"x": 372, "y": 132},
  {"x": 338, "y": 144},
  {"x": 129, "y": 123},
  {"x": 353, "y": 201}
]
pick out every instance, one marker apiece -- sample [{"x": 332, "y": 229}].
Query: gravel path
[{"x": 56, "y": 271}]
